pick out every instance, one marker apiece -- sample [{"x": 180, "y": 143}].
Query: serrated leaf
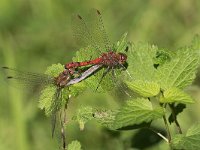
[
  {"x": 83, "y": 115},
  {"x": 144, "y": 88},
  {"x": 162, "y": 56},
  {"x": 190, "y": 141},
  {"x": 74, "y": 145},
  {"x": 173, "y": 95},
  {"x": 180, "y": 71},
  {"x": 105, "y": 117},
  {"x": 141, "y": 63},
  {"x": 46, "y": 100},
  {"x": 137, "y": 111},
  {"x": 122, "y": 43}
]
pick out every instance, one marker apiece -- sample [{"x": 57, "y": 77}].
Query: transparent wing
[
  {"x": 55, "y": 110},
  {"x": 26, "y": 80},
  {"x": 58, "y": 119},
  {"x": 95, "y": 22},
  {"x": 90, "y": 31}
]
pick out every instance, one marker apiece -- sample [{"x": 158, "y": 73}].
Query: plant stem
[
  {"x": 167, "y": 128},
  {"x": 166, "y": 124},
  {"x": 175, "y": 119}
]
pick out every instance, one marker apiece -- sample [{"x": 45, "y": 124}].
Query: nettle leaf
[
  {"x": 144, "y": 88},
  {"x": 74, "y": 145},
  {"x": 189, "y": 141},
  {"x": 108, "y": 82},
  {"x": 135, "y": 112},
  {"x": 105, "y": 117},
  {"x": 162, "y": 56},
  {"x": 174, "y": 94},
  {"x": 122, "y": 43},
  {"x": 46, "y": 100},
  {"x": 83, "y": 115},
  {"x": 141, "y": 62},
  {"x": 180, "y": 71}
]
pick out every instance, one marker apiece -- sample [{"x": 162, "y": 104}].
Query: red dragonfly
[
  {"x": 91, "y": 32},
  {"x": 64, "y": 79}
]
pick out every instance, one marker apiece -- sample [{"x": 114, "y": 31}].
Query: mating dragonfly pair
[{"x": 88, "y": 32}]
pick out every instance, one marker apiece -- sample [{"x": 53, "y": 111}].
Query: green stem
[{"x": 167, "y": 128}]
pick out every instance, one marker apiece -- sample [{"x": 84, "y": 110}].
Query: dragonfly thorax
[
  {"x": 113, "y": 59},
  {"x": 63, "y": 78}
]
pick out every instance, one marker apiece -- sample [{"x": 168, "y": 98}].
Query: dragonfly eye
[{"x": 122, "y": 57}]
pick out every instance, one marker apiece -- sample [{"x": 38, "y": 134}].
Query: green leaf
[
  {"x": 141, "y": 62},
  {"x": 122, "y": 43},
  {"x": 74, "y": 145},
  {"x": 162, "y": 56},
  {"x": 180, "y": 71},
  {"x": 137, "y": 111},
  {"x": 46, "y": 100},
  {"x": 189, "y": 141},
  {"x": 144, "y": 88},
  {"x": 105, "y": 117},
  {"x": 83, "y": 115},
  {"x": 173, "y": 95}
]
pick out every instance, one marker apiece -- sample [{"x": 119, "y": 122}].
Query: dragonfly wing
[
  {"x": 27, "y": 80},
  {"x": 58, "y": 119},
  {"x": 97, "y": 28},
  {"x": 90, "y": 31}
]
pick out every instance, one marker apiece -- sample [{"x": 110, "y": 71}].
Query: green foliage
[
  {"x": 180, "y": 71},
  {"x": 144, "y": 88},
  {"x": 190, "y": 140},
  {"x": 47, "y": 97},
  {"x": 40, "y": 29},
  {"x": 74, "y": 145},
  {"x": 173, "y": 95},
  {"x": 159, "y": 78},
  {"x": 137, "y": 111},
  {"x": 83, "y": 115}
]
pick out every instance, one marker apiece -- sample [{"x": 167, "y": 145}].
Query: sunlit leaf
[
  {"x": 74, "y": 145},
  {"x": 173, "y": 95},
  {"x": 191, "y": 140},
  {"x": 144, "y": 88},
  {"x": 137, "y": 111},
  {"x": 180, "y": 71},
  {"x": 83, "y": 115}
]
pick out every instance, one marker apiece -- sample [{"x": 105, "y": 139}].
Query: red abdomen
[{"x": 84, "y": 63}]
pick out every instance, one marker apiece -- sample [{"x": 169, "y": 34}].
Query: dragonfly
[
  {"x": 64, "y": 79},
  {"x": 90, "y": 31}
]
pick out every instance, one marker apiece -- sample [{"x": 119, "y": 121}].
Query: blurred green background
[{"x": 36, "y": 33}]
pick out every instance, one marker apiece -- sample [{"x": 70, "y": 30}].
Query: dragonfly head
[
  {"x": 122, "y": 58},
  {"x": 63, "y": 78}
]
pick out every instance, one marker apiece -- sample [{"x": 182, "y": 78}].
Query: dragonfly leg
[{"x": 104, "y": 74}]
